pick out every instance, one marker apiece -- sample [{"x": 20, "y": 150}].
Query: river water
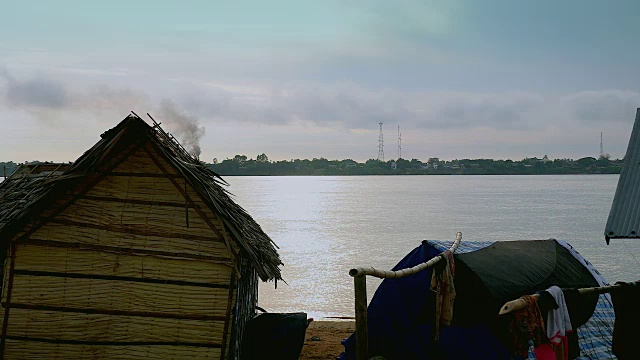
[{"x": 326, "y": 225}]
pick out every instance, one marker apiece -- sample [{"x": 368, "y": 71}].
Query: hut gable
[
  {"x": 28, "y": 200},
  {"x": 133, "y": 251},
  {"x": 136, "y": 206}
]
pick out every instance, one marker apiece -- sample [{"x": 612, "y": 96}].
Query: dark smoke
[{"x": 185, "y": 128}]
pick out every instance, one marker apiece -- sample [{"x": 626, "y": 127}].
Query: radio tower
[
  {"x": 601, "y": 150},
  {"x": 399, "y": 144},
  {"x": 380, "y": 145}
]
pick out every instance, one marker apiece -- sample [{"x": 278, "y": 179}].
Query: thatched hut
[{"x": 133, "y": 251}]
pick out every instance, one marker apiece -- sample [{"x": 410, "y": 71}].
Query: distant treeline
[
  {"x": 262, "y": 166},
  {"x": 241, "y": 165}
]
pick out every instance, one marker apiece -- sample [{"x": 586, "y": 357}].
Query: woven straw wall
[{"x": 127, "y": 271}]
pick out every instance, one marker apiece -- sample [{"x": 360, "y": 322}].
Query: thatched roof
[{"x": 31, "y": 190}]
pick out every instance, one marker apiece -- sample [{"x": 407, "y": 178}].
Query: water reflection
[{"x": 326, "y": 225}]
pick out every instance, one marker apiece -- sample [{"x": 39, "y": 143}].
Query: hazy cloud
[
  {"x": 186, "y": 108},
  {"x": 603, "y": 106},
  {"x": 510, "y": 110},
  {"x": 344, "y": 105},
  {"x": 38, "y": 92},
  {"x": 353, "y": 107}
]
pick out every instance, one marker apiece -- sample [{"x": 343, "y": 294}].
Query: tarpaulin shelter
[{"x": 401, "y": 313}]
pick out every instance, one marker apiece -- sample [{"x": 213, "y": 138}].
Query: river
[{"x": 326, "y": 225}]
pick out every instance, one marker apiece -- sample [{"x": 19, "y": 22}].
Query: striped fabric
[
  {"x": 595, "y": 336},
  {"x": 463, "y": 248}
]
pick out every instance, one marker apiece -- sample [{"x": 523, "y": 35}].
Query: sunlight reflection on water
[{"x": 326, "y": 225}]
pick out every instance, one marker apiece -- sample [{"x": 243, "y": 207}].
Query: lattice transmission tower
[
  {"x": 399, "y": 144},
  {"x": 601, "y": 148},
  {"x": 380, "y": 145}
]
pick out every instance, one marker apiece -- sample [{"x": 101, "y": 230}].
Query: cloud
[
  {"x": 45, "y": 92},
  {"x": 510, "y": 110},
  {"x": 603, "y": 106},
  {"x": 39, "y": 92},
  {"x": 353, "y": 107},
  {"x": 346, "y": 106}
]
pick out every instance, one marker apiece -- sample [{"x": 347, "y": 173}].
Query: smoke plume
[{"x": 184, "y": 127}]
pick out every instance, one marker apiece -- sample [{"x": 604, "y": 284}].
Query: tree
[
  {"x": 403, "y": 164},
  {"x": 603, "y": 160},
  {"x": 240, "y": 159},
  {"x": 586, "y": 161},
  {"x": 262, "y": 158}
]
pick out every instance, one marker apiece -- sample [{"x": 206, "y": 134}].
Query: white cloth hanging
[{"x": 558, "y": 321}]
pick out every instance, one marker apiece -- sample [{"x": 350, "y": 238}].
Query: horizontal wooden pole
[
  {"x": 112, "y": 343},
  {"x": 519, "y": 304},
  {"x": 149, "y": 314},
  {"x": 135, "y": 231},
  {"x": 118, "y": 278},
  {"x": 131, "y": 251},
  {"x": 135, "y": 201},
  {"x": 389, "y": 274},
  {"x": 143, "y": 175}
]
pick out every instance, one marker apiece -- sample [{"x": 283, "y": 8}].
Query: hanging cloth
[
  {"x": 625, "y": 329},
  {"x": 559, "y": 324},
  {"x": 442, "y": 285},
  {"x": 527, "y": 324}
]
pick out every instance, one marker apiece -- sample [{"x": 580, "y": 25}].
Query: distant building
[{"x": 394, "y": 165}]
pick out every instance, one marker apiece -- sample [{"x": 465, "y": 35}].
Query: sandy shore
[{"x": 322, "y": 340}]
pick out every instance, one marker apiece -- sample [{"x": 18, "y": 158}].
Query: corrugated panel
[{"x": 624, "y": 217}]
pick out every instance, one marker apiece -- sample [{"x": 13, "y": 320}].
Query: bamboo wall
[{"x": 129, "y": 270}]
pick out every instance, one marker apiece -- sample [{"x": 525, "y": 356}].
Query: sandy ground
[{"x": 322, "y": 340}]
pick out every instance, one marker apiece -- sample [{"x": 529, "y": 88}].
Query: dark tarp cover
[
  {"x": 274, "y": 336},
  {"x": 400, "y": 314}
]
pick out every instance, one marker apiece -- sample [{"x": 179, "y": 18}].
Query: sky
[{"x": 300, "y": 79}]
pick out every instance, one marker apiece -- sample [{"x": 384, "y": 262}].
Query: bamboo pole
[
  {"x": 519, "y": 304},
  {"x": 362, "y": 330},
  {"x": 360, "y": 292},
  {"x": 7, "y": 304},
  {"x": 186, "y": 209},
  {"x": 386, "y": 274}
]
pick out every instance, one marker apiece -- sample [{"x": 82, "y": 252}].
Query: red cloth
[
  {"x": 553, "y": 351},
  {"x": 527, "y": 324},
  {"x": 544, "y": 352}
]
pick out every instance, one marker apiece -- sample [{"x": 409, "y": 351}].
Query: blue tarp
[{"x": 400, "y": 317}]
